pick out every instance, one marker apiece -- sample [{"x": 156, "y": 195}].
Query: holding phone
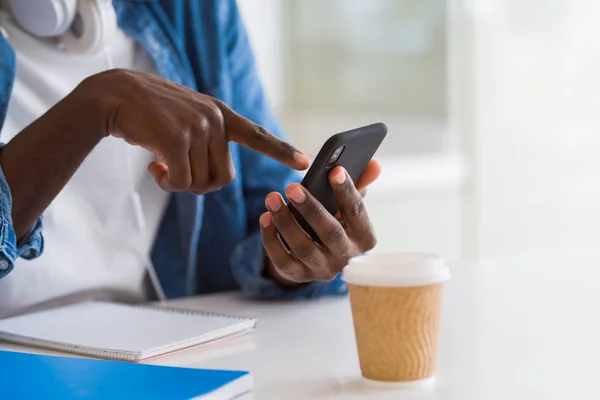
[{"x": 351, "y": 150}]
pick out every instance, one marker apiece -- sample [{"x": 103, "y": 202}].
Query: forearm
[{"x": 41, "y": 159}]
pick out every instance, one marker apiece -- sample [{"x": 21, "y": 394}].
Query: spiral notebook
[{"x": 120, "y": 332}]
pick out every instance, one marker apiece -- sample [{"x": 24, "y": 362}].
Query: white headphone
[{"x": 82, "y": 26}]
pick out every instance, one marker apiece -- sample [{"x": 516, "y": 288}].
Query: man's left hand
[{"x": 344, "y": 237}]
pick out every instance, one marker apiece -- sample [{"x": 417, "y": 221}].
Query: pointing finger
[{"x": 245, "y": 132}]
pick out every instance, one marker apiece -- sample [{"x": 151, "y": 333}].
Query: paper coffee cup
[{"x": 396, "y": 304}]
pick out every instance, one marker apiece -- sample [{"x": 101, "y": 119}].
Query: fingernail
[
  {"x": 265, "y": 220},
  {"x": 340, "y": 176},
  {"x": 273, "y": 203},
  {"x": 301, "y": 158},
  {"x": 296, "y": 194}
]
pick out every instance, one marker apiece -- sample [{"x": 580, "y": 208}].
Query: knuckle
[
  {"x": 181, "y": 140},
  {"x": 340, "y": 262},
  {"x": 311, "y": 210},
  {"x": 213, "y": 116},
  {"x": 218, "y": 105},
  {"x": 358, "y": 207},
  {"x": 260, "y": 134},
  {"x": 229, "y": 175},
  {"x": 335, "y": 234},
  {"x": 131, "y": 80},
  {"x": 225, "y": 175},
  {"x": 201, "y": 182},
  {"x": 129, "y": 75},
  {"x": 203, "y": 122},
  {"x": 369, "y": 241},
  {"x": 307, "y": 253},
  {"x": 329, "y": 274},
  {"x": 173, "y": 187},
  {"x": 115, "y": 73},
  {"x": 225, "y": 179},
  {"x": 329, "y": 277},
  {"x": 291, "y": 271},
  {"x": 181, "y": 183},
  {"x": 287, "y": 267},
  {"x": 219, "y": 113},
  {"x": 347, "y": 188},
  {"x": 163, "y": 185},
  {"x": 286, "y": 148}
]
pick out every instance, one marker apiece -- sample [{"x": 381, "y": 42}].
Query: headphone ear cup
[
  {"x": 44, "y": 18},
  {"x": 94, "y": 24},
  {"x": 70, "y": 7}
]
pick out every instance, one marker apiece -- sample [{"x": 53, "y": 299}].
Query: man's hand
[
  {"x": 347, "y": 236},
  {"x": 187, "y": 131}
]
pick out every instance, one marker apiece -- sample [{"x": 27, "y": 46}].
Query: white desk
[{"x": 513, "y": 329}]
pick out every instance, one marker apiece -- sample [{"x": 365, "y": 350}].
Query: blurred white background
[{"x": 493, "y": 110}]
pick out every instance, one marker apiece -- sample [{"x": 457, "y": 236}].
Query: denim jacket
[{"x": 205, "y": 243}]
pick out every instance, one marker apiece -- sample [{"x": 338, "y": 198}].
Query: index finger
[
  {"x": 369, "y": 175},
  {"x": 253, "y": 136}
]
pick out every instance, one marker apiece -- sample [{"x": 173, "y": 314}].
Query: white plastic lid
[{"x": 396, "y": 269}]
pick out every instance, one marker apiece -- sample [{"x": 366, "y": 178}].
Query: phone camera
[{"x": 335, "y": 156}]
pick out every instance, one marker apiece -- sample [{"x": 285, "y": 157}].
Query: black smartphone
[{"x": 352, "y": 150}]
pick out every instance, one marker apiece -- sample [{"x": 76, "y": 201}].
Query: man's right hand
[{"x": 187, "y": 131}]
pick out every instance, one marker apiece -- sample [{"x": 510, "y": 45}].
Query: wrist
[
  {"x": 93, "y": 98},
  {"x": 41, "y": 159}
]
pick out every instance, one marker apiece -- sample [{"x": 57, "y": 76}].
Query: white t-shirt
[{"x": 99, "y": 230}]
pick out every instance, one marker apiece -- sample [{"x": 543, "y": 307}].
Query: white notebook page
[{"x": 119, "y": 328}]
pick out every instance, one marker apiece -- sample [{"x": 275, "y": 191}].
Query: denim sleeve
[
  {"x": 260, "y": 175},
  {"x": 29, "y": 247},
  {"x": 248, "y": 261}
]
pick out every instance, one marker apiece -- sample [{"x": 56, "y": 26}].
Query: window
[
  {"x": 333, "y": 65},
  {"x": 368, "y": 57}
]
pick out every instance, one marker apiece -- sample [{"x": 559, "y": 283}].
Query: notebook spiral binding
[{"x": 187, "y": 311}]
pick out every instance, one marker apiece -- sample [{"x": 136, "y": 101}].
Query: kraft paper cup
[{"x": 396, "y": 304}]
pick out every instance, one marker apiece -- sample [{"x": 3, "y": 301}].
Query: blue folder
[{"x": 31, "y": 376}]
